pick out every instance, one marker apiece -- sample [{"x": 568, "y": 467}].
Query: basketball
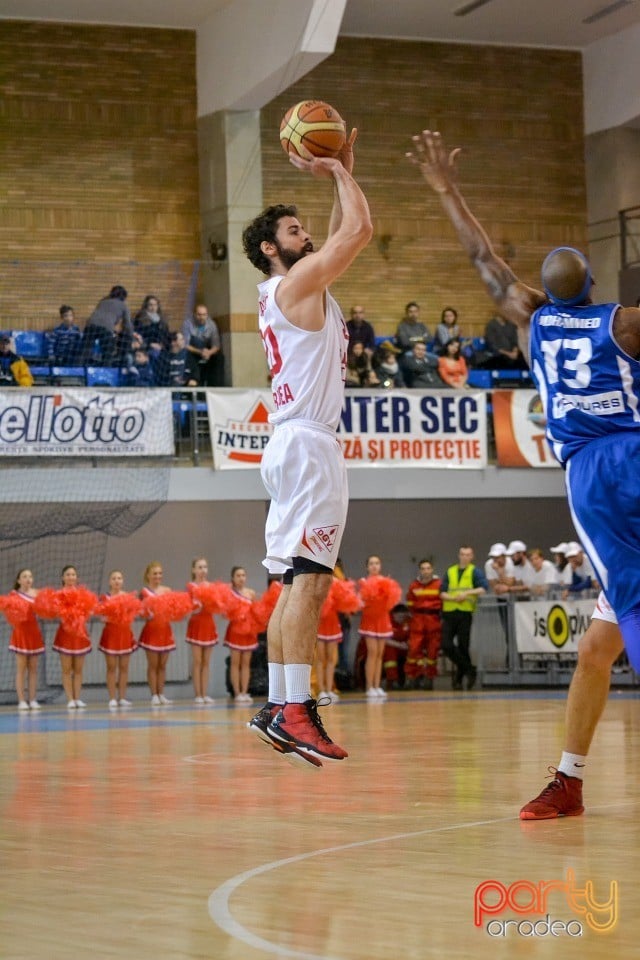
[{"x": 314, "y": 125}]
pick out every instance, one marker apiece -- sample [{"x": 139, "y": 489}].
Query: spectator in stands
[
  {"x": 578, "y": 575},
  {"x": 541, "y": 575},
  {"x": 446, "y": 329},
  {"x": 202, "y": 340},
  {"x": 517, "y": 552},
  {"x": 558, "y": 553},
  {"x": 421, "y": 368},
  {"x": 361, "y": 331},
  {"x": 452, "y": 367},
  {"x": 501, "y": 339},
  {"x": 109, "y": 320},
  {"x": 359, "y": 372},
  {"x": 151, "y": 325},
  {"x": 499, "y": 570},
  {"x": 14, "y": 371},
  {"x": 178, "y": 364},
  {"x": 65, "y": 343},
  {"x": 411, "y": 329},
  {"x": 143, "y": 372},
  {"x": 386, "y": 366}
]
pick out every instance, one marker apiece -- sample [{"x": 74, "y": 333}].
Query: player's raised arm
[
  {"x": 351, "y": 212},
  {"x": 438, "y": 167}
]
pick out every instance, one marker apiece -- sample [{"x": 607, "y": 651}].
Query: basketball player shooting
[
  {"x": 305, "y": 340},
  {"x": 584, "y": 360}
]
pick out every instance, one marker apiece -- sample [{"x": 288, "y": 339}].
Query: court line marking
[{"x": 218, "y": 903}]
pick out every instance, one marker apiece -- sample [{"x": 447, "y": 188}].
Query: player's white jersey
[{"x": 307, "y": 367}]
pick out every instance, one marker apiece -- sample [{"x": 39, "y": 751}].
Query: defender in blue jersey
[{"x": 585, "y": 360}]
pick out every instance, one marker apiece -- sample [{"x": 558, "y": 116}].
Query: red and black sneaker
[
  {"x": 259, "y": 725},
  {"x": 262, "y": 719},
  {"x": 298, "y": 726},
  {"x": 561, "y": 798}
]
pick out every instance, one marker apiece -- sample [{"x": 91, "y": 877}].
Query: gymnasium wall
[
  {"x": 98, "y": 166},
  {"x": 98, "y": 162},
  {"x": 518, "y": 115}
]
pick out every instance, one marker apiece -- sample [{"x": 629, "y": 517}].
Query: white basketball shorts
[
  {"x": 304, "y": 472},
  {"x": 603, "y": 610}
]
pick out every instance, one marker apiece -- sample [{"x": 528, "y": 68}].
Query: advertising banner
[
  {"x": 85, "y": 422},
  {"x": 443, "y": 428},
  {"x": 519, "y": 425},
  {"x": 551, "y": 627}
]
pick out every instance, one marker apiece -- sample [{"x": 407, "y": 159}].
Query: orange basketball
[{"x": 314, "y": 125}]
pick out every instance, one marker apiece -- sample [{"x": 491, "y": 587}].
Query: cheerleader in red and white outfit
[
  {"x": 156, "y": 638},
  {"x": 342, "y": 598},
  {"x": 241, "y": 636},
  {"x": 378, "y": 595},
  {"x": 201, "y": 629},
  {"x": 26, "y": 638},
  {"x": 119, "y": 609},
  {"x": 72, "y": 606}
]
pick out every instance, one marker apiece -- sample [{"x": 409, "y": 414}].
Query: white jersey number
[{"x": 573, "y": 369}]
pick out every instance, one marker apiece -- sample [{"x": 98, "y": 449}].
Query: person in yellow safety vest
[{"x": 462, "y": 584}]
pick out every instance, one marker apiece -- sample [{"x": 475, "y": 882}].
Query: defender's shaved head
[{"x": 566, "y": 277}]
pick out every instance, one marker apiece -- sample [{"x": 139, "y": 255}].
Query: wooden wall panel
[
  {"x": 98, "y": 165},
  {"x": 518, "y": 115}
]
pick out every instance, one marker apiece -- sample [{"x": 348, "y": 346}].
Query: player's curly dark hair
[{"x": 263, "y": 228}]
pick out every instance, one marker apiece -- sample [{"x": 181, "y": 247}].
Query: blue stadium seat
[
  {"x": 41, "y": 374},
  {"x": 68, "y": 376},
  {"x": 30, "y": 343},
  {"x": 103, "y": 376},
  {"x": 480, "y": 378}
]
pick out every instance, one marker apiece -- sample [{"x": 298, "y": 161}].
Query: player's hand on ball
[
  {"x": 345, "y": 154},
  {"x": 437, "y": 166},
  {"x": 321, "y": 167}
]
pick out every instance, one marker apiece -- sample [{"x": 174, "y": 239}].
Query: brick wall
[
  {"x": 98, "y": 162},
  {"x": 98, "y": 166},
  {"x": 518, "y": 115}
]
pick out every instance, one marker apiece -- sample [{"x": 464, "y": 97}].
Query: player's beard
[{"x": 289, "y": 258}]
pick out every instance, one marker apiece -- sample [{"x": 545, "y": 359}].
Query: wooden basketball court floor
[{"x": 177, "y": 834}]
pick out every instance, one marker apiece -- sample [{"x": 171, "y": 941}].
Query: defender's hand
[{"x": 436, "y": 165}]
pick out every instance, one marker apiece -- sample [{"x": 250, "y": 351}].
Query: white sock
[
  {"x": 297, "y": 677},
  {"x": 276, "y": 683},
  {"x": 572, "y": 764}
]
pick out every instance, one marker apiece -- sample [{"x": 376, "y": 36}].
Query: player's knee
[{"x": 601, "y": 645}]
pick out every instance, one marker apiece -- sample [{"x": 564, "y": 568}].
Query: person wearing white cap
[
  {"x": 558, "y": 553},
  {"x": 517, "y": 551},
  {"x": 578, "y": 575},
  {"x": 498, "y": 569}
]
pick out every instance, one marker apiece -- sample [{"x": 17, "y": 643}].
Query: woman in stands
[
  {"x": 156, "y": 638},
  {"x": 378, "y": 594},
  {"x": 72, "y": 605},
  {"x": 241, "y": 636},
  {"x": 452, "y": 367},
  {"x": 117, "y": 642},
  {"x": 26, "y": 638},
  {"x": 201, "y": 629}
]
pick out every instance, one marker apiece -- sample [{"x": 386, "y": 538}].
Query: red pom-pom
[
  {"x": 262, "y": 609},
  {"x": 172, "y": 605},
  {"x": 343, "y": 596},
  {"x": 232, "y": 606},
  {"x": 15, "y": 608},
  {"x": 382, "y": 592},
  {"x": 210, "y": 597},
  {"x": 71, "y": 605},
  {"x": 121, "y": 609}
]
